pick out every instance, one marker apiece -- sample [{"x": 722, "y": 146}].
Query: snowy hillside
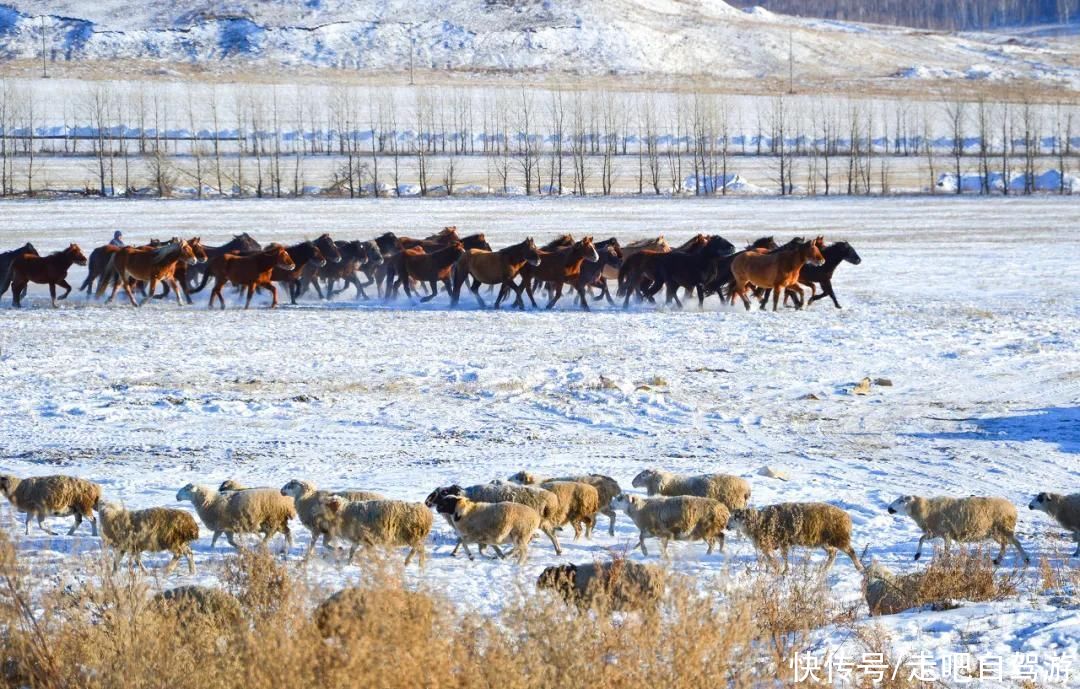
[{"x": 677, "y": 37}]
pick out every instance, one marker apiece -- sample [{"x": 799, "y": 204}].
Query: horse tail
[
  {"x": 205, "y": 279},
  {"x": 109, "y": 271},
  {"x": 5, "y": 277}
]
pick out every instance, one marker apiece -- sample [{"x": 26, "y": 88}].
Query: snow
[
  {"x": 583, "y": 37},
  {"x": 1048, "y": 180},
  {"x": 401, "y": 398}
]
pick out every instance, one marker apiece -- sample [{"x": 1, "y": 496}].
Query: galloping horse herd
[{"x": 706, "y": 264}]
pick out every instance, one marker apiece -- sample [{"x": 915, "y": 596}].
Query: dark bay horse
[
  {"x": 48, "y": 270},
  {"x": 431, "y": 268},
  {"x": 558, "y": 267},
  {"x": 688, "y": 270},
  {"x": 592, "y": 274},
  {"x": 6, "y": 259},
  {"x": 811, "y": 275},
  {"x": 494, "y": 268},
  {"x": 242, "y": 242},
  {"x": 301, "y": 254},
  {"x": 356, "y": 256}
]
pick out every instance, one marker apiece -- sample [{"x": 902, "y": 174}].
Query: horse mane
[{"x": 637, "y": 244}]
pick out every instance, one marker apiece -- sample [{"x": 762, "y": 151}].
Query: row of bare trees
[{"x": 272, "y": 141}]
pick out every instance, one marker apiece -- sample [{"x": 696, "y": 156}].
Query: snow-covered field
[{"x": 970, "y": 307}]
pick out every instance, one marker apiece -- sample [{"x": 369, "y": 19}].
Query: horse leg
[
  {"x": 150, "y": 292},
  {"x": 250, "y": 294},
  {"x": 17, "y": 288},
  {"x": 700, "y": 298},
  {"x": 796, "y": 295},
  {"x": 584, "y": 300},
  {"x": 557, "y": 294},
  {"x": 52, "y": 293},
  {"x": 273, "y": 294},
  {"x": 475, "y": 287},
  {"x": 176, "y": 288},
  {"x": 433, "y": 285},
  {"x": 776, "y": 290},
  {"x": 528, "y": 284},
  {"x": 67, "y": 289}
]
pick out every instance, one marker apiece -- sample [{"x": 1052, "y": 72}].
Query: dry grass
[{"x": 111, "y": 633}]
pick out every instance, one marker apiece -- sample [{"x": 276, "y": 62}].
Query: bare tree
[{"x": 955, "y": 112}]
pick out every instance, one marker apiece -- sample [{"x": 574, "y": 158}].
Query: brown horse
[
  {"x": 181, "y": 269},
  {"x": 395, "y": 267},
  {"x": 777, "y": 271},
  {"x": 557, "y": 268},
  {"x": 250, "y": 271},
  {"x": 48, "y": 270},
  {"x": 150, "y": 265},
  {"x": 494, "y": 268},
  {"x": 431, "y": 268},
  {"x": 560, "y": 242}
]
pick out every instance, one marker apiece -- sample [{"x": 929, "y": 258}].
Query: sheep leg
[
  {"x": 1016, "y": 544},
  {"x": 172, "y": 563},
  {"x": 850, "y": 552},
  {"x": 589, "y": 525},
  {"x": 232, "y": 540},
  {"x": 918, "y": 551},
  {"x": 663, "y": 545},
  {"x": 27, "y": 523},
  {"x": 214, "y": 539},
  {"x": 1076, "y": 537},
  {"x": 522, "y": 551},
  {"x": 550, "y": 533},
  {"x": 78, "y": 521},
  {"x": 312, "y": 542},
  {"x": 93, "y": 523},
  {"x": 641, "y": 544},
  {"x": 498, "y": 552},
  {"x": 288, "y": 539},
  {"x": 832, "y": 558},
  {"x": 190, "y": 559},
  {"x": 611, "y": 515},
  {"x": 41, "y": 523},
  {"x": 577, "y": 529}
]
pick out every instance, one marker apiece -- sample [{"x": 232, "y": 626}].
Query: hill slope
[{"x": 665, "y": 37}]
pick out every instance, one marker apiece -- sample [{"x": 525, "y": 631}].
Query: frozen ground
[{"x": 965, "y": 304}]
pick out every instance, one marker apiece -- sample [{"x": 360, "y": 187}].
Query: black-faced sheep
[
  {"x": 378, "y": 523},
  {"x": 151, "y": 530},
  {"x": 680, "y": 518},
  {"x": 789, "y": 524},
  {"x": 617, "y": 585},
  {"x": 307, "y": 499},
  {"x": 491, "y": 523},
  {"x": 733, "y": 491},
  {"x": 964, "y": 520},
  {"x": 543, "y": 501},
  {"x": 1064, "y": 508},
  {"x": 49, "y": 496},
  {"x": 606, "y": 487}
]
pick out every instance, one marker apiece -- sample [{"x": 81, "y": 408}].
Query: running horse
[
  {"x": 48, "y": 270},
  {"x": 559, "y": 267},
  {"x": 430, "y": 268},
  {"x": 778, "y": 270},
  {"x": 240, "y": 243},
  {"x": 495, "y": 268},
  {"x": 251, "y": 271},
  {"x": 147, "y": 264},
  {"x": 7, "y": 259}
]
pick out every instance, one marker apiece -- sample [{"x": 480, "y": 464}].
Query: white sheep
[
  {"x": 378, "y": 523},
  {"x": 680, "y": 518},
  {"x": 789, "y": 524},
  {"x": 151, "y": 530},
  {"x": 491, "y": 523},
  {"x": 46, "y": 496},
  {"x": 263, "y": 511},
  {"x": 307, "y": 498},
  {"x": 1064, "y": 508},
  {"x": 606, "y": 487},
  {"x": 733, "y": 491},
  {"x": 964, "y": 520}
]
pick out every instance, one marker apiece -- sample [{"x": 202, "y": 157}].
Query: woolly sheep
[
  {"x": 605, "y": 486},
  {"x": 191, "y": 603},
  {"x": 151, "y": 530},
  {"x": 543, "y": 501},
  {"x": 59, "y": 496},
  {"x": 617, "y": 585},
  {"x": 887, "y": 593},
  {"x": 682, "y": 518},
  {"x": 733, "y": 491},
  {"x": 307, "y": 498},
  {"x": 578, "y": 505},
  {"x": 788, "y": 524},
  {"x": 378, "y": 522},
  {"x": 1064, "y": 508},
  {"x": 965, "y": 520},
  {"x": 233, "y": 485},
  {"x": 263, "y": 511},
  {"x": 492, "y": 523}
]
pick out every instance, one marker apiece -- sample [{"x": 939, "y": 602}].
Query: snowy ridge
[{"x": 689, "y": 37}]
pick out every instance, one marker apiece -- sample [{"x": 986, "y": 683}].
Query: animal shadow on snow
[{"x": 1057, "y": 425}]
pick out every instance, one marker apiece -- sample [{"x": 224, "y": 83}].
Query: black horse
[
  {"x": 811, "y": 275},
  {"x": 6, "y": 259}
]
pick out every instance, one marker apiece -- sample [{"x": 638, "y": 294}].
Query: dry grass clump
[{"x": 963, "y": 575}]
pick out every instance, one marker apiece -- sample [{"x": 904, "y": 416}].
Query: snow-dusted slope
[{"x": 678, "y": 37}]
